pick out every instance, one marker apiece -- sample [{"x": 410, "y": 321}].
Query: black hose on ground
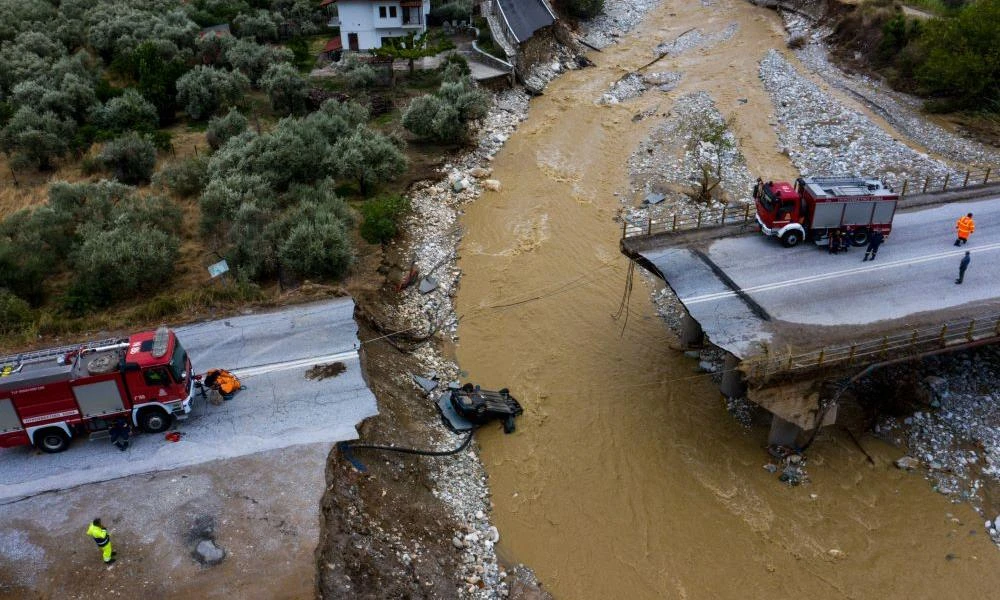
[{"x": 346, "y": 447}]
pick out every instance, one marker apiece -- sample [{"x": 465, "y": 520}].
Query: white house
[{"x": 365, "y": 23}]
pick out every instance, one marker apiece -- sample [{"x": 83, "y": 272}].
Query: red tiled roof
[
  {"x": 333, "y": 45},
  {"x": 326, "y": 2}
]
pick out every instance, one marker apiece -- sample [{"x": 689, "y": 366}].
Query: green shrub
[
  {"x": 203, "y": 90},
  {"x": 315, "y": 243},
  {"x": 127, "y": 112},
  {"x": 16, "y": 313},
  {"x": 186, "y": 178},
  {"x": 382, "y": 217},
  {"x": 220, "y": 129},
  {"x": 131, "y": 158},
  {"x": 118, "y": 263},
  {"x": 286, "y": 89},
  {"x": 444, "y": 116}
]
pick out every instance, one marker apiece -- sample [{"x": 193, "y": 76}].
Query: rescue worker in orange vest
[
  {"x": 965, "y": 226},
  {"x": 103, "y": 539},
  {"x": 224, "y": 381}
]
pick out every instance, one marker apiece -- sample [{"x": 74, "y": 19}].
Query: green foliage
[
  {"x": 224, "y": 195},
  {"x": 253, "y": 59},
  {"x": 368, "y": 157},
  {"x": 220, "y": 129},
  {"x": 213, "y": 12},
  {"x": 457, "y": 10},
  {"x": 302, "y": 57},
  {"x": 186, "y": 178},
  {"x": 454, "y": 67},
  {"x": 259, "y": 25},
  {"x": 36, "y": 140},
  {"x": 314, "y": 241},
  {"x": 382, "y": 217},
  {"x": 121, "y": 262},
  {"x": 444, "y": 116},
  {"x": 359, "y": 75},
  {"x": 127, "y": 112},
  {"x": 156, "y": 79},
  {"x": 962, "y": 65},
  {"x": 203, "y": 90},
  {"x": 16, "y": 313},
  {"x": 287, "y": 89},
  {"x": 131, "y": 158}
]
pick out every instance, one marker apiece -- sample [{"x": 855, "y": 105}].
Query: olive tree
[
  {"x": 287, "y": 89},
  {"x": 260, "y": 25},
  {"x": 444, "y": 116},
  {"x": 36, "y": 139},
  {"x": 315, "y": 242},
  {"x": 128, "y": 112},
  {"x": 220, "y": 129},
  {"x": 203, "y": 90},
  {"x": 131, "y": 157},
  {"x": 368, "y": 157},
  {"x": 253, "y": 59},
  {"x": 120, "y": 262}
]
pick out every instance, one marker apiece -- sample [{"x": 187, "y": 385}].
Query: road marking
[
  {"x": 294, "y": 364},
  {"x": 837, "y": 274}
]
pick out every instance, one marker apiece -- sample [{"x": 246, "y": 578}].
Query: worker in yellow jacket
[
  {"x": 103, "y": 539},
  {"x": 964, "y": 226}
]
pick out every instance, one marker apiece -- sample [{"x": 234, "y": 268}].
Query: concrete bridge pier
[
  {"x": 784, "y": 433},
  {"x": 732, "y": 384},
  {"x": 692, "y": 335}
]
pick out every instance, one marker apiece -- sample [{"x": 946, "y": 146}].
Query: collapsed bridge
[{"x": 793, "y": 320}]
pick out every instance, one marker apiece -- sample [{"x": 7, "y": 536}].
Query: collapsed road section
[
  {"x": 795, "y": 320},
  {"x": 279, "y": 407}
]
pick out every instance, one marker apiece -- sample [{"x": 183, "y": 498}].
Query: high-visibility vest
[
  {"x": 225, "y": 381},
  {"x": 99, "y": 534},
  {"x": 965, "y": 226}
]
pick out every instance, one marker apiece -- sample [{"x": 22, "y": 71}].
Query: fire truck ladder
[{"x": 13, "y": 363}]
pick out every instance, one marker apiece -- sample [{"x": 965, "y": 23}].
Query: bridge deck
[{"x": 748, "y": 290}]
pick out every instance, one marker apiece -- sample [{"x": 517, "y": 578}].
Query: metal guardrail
[
  {"x": 948, "y": 182},
  {"x": 728, "y": 215},
  {"x": 915, "y": 341},
  {"x": 745, "y": 214}
]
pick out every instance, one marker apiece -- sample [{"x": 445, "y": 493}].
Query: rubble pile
[
  {"x": 617, "y": 19},
  {"x": 696, "y": 38},
  {"x": 824, "y": 137},
  {"x": 955, "y": 442},
  {"x": 670, "y": 162},
  {"x": 628, "y": 87},
  {"x": 664, "y": 81}
]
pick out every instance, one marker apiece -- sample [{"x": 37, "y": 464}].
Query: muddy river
[{"x": 626, "y": 477}]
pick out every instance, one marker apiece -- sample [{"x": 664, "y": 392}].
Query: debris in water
[
  {"x": 324, "y": 371},
  {"x": 654, "y": 198},
  {"x": 427, "y": 384},
  {"x": 428, "y": 285}
]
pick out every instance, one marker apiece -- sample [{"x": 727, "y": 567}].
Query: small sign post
[{"x": 218, "y": 268}]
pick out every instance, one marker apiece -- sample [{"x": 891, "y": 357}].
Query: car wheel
[{"x": 51, "y": 440}]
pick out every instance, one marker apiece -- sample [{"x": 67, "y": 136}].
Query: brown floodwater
[{"x": 626, "y": 477}]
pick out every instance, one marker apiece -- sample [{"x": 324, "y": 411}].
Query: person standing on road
[
  {"x": 962, "y": 266},
  {"x": 874, "y": 242},
  {"x": 103, "y": 539},
  {"x": 964, "y": 226},
  {"x": 120, "y": 432}
]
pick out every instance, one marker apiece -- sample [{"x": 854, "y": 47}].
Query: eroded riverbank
[{"x": 627, "y": 478}]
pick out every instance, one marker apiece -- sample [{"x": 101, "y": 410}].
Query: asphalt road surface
[
  {"x": 742, "y": 287},
  {"x": 280, "y": 407}
]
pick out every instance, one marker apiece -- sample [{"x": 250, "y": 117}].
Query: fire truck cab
[{"x": 49, "y": 397}]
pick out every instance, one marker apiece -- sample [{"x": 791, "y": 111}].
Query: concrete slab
[{"x": 280, "y": 407}]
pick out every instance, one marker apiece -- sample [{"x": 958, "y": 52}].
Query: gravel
[
  {"x": 619, "y": 17},
  {"x": 823, "y": 137},
  {"x": 902, "y": 111}
]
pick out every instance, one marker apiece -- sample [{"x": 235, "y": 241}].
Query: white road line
[
  {"x": 872, "y": 266},
  {"x": 294, "y": 364}
]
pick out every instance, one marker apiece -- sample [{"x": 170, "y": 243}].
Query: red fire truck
[
  {"x": 51, "y": 396},
  {"x": 818, "y": 206}
]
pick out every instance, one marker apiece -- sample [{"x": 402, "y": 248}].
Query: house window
[
  {"x": 381, "y": 12},
  {"x": 392, "y": 12}
]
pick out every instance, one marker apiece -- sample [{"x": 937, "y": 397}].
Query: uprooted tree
[{"x": 710, "y": 142}]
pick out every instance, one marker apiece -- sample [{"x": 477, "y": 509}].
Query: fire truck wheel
[
  {"x": 51, "y": 440},
  {"x": 859, "y": 237},
  {"x": 154, "y": 420},
  {"x": 791, "y": 238}
]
